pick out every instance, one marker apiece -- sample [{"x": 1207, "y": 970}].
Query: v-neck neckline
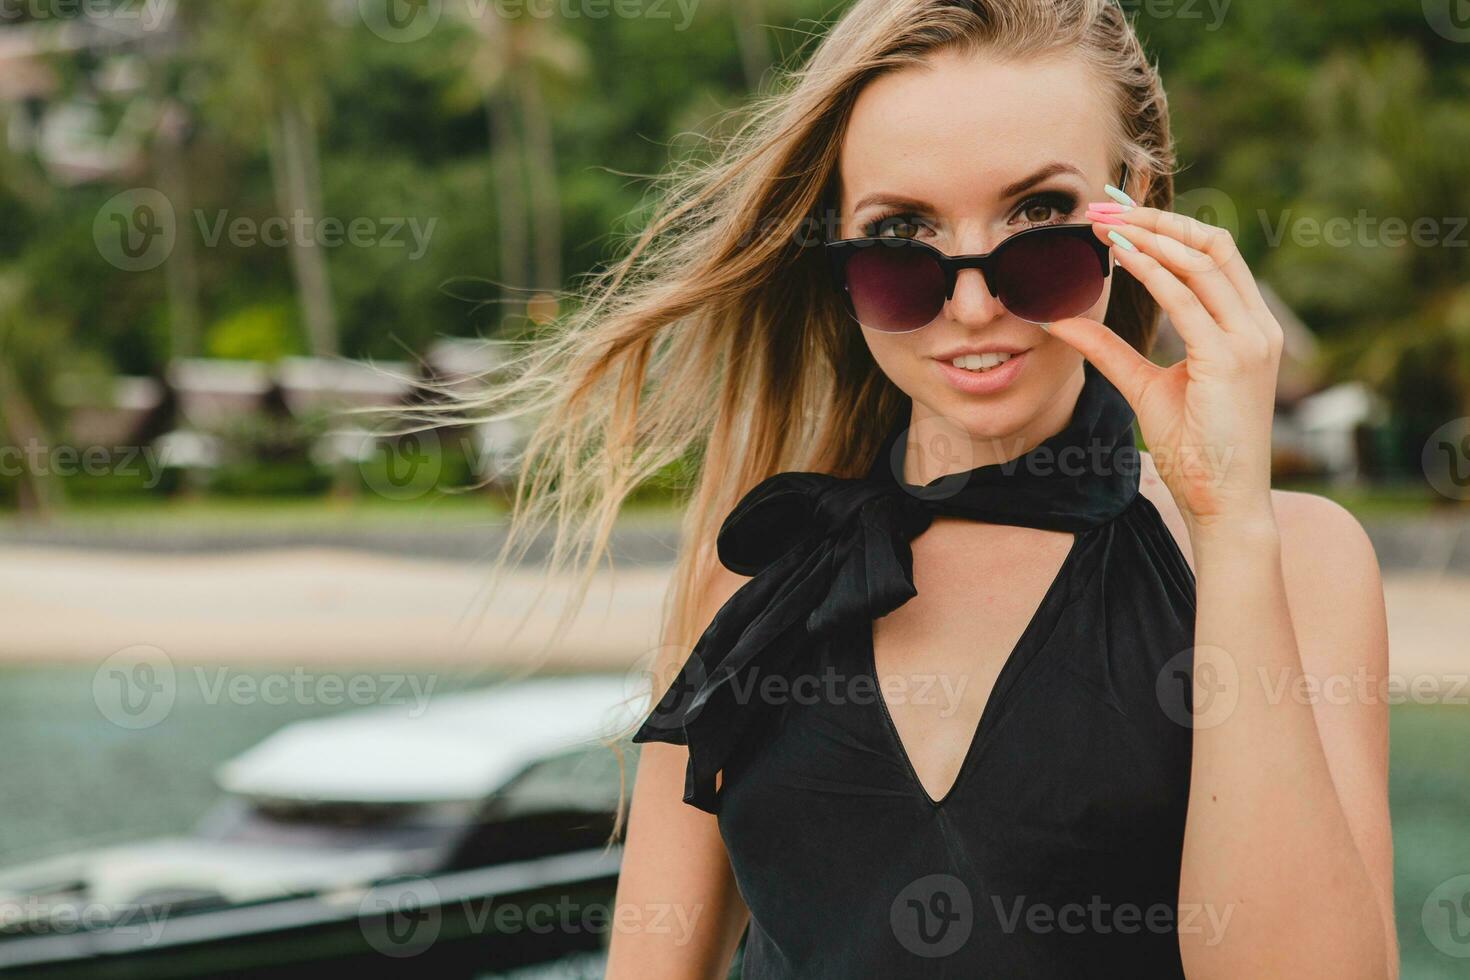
[{"x": 1019, "y": 655}]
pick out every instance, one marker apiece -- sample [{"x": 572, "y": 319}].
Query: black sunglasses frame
[{"x": 839, "y": 252}]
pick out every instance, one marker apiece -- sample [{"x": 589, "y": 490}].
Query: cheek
[{"x": 897, "y": 355}]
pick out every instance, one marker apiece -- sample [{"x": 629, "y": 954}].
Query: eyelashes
[{"x": 1062, "y": 203}]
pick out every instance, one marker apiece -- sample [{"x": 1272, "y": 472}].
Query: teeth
[{"x": 980, "y": 362}]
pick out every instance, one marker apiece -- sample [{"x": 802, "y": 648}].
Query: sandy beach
[
  {"x": 317, "y": 607},
  {"x": 327, "y": 607}
]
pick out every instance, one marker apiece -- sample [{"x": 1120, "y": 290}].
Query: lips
[{"x": 981, "y": 372}]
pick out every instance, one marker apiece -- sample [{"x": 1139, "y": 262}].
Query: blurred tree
[
  {"x": 509, "y": 62},
  {"x": 1384, "y": 181},
  {"x": 750, "y": 37},
  {"x": 269, "y": 63},
  {"x": 31, "y": 349}
]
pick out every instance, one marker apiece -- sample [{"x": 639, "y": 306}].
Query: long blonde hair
[{"x": 716, "y": 342}]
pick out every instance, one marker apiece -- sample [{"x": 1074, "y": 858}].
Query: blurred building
[
  {"x": 70, "y": 134},
  {"x": 1316, "y": 432}
]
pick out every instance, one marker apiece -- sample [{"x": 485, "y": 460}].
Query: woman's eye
[
  {"x": 894, "y": 226},
  {"x": 1039, "y": 212},
  {"x": 1046, "y": 208}
]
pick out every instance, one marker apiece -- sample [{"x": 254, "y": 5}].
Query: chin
[{"x": 994, "y": 417}]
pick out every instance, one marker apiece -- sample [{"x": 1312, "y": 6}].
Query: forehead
[{"x": 956, "y": 128}]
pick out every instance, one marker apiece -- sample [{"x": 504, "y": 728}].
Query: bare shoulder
[
  {"x": 1333, "y": 583},
  {"x": 1330, "y": 569},
  {"x": 719, "y": 587},
  {"x": 1315, "y": 531},
  {"x": 1321, "y": 534}
]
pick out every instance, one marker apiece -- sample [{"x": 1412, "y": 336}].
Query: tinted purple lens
[
  {"x": 895, "y": 288},
  {"x": 1045, "y": 277}
]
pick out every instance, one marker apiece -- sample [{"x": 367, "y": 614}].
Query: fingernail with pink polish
[
  {"x": 1105, "y": 219},
  {"x": 1108, "y": 207}
]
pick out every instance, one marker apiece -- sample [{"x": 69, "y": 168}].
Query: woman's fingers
[
  {"x": 1196, "y": 325},
  {"x": 1202, "y": 274},
  {"x": 1213, "y": 241},
  {"x": 1212, "y": 247},
  {"x": 1128, "y": 370}
]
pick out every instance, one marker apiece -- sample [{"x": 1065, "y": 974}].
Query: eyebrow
[
  {"x": 1052, "y": 169},
  {"x": 1026, "y": 183}
]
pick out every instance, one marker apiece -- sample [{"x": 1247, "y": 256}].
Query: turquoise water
[{"x": 72, "y": 777}]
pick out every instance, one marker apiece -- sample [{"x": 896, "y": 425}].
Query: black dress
[{"x": 1056, "y": 852}]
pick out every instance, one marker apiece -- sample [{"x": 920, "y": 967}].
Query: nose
[{"x": 972, "y": 304}]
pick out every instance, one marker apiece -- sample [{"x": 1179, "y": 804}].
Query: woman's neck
[{"x": 938, "y": 446}]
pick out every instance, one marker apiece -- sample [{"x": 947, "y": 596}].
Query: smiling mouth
[{"x": 980, "y": 363}]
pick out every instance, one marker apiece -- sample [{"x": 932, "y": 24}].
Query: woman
[{"x": 937, "y": 719}]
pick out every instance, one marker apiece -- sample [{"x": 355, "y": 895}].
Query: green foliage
[
  {"x": 1296, "y": 111},
  {"x": 264, "y": 332}
]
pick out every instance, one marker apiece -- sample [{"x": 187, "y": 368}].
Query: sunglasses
[{"x": 897, "y": 285}]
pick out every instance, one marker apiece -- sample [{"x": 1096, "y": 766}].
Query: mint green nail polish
[
  {"x": 1119, "y": 196},
  {"x": 1045, "y": 326},
  {"x": 1122, "y": 242}
]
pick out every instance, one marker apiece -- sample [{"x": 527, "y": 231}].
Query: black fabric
[{"x": 1069, "y": 806}]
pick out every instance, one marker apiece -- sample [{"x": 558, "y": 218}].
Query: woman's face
[{"x": 962, "y": 153}]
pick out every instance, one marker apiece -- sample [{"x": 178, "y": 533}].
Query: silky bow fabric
[{"x": 824, "y": 552}]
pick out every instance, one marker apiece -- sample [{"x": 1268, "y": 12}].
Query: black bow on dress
[{"x": 825, "y": 552}]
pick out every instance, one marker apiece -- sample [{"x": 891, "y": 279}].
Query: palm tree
[
  {"x": 508, "y": 64},
  {"x": 750, "y": 37},
  {"x": 270, "y": 61}
]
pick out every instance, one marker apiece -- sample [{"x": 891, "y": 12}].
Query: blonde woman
[{"x": 955, "y": 682}]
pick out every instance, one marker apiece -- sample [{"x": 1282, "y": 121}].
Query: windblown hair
[{"x": 717, "y": 341}]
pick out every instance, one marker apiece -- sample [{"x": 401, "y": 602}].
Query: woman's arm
[
  {"x": 1288, "y": 821},
  {"x": 1287, "y": 833},
  {"x": 678, "y": 914},
  {"x": 1336, "y": 596}
]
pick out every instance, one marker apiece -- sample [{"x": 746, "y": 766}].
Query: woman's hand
[{"x": 1207, "y": 419}]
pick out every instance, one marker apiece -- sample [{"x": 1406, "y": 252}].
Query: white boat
[{"x": 371, "y": 841}]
